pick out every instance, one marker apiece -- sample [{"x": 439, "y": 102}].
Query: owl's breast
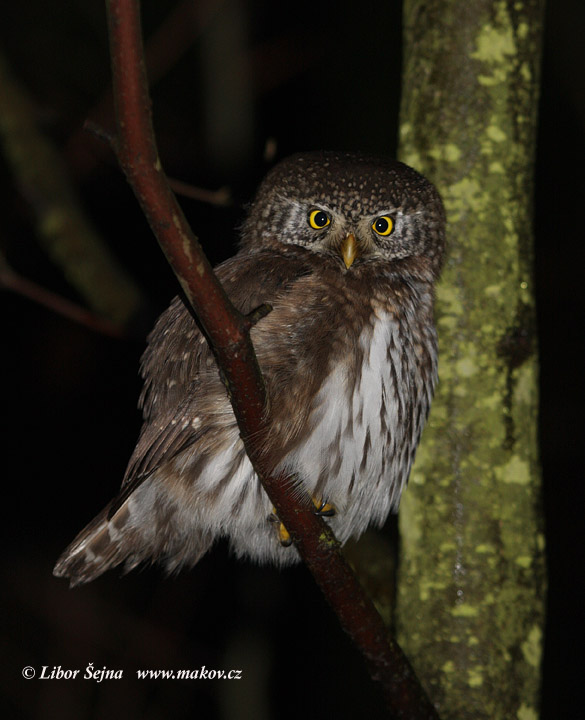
[{"x": 361, "y": 430}]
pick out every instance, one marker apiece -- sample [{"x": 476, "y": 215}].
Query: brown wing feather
[{"x": 180, "y": 374}]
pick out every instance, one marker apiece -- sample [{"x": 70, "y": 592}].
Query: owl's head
[{"x": 355, "y": 208}]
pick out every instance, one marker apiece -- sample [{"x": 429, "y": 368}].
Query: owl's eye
[
  {"x": 383, "y": 225},
  {"x": 318, "y": 219}
]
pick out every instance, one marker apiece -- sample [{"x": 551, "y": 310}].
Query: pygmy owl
[{"x": 345, "y": 248}]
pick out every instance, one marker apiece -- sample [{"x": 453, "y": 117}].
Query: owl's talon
[
  {"x": 323, "y": 508},
  {"x": 283, "y": 534}
]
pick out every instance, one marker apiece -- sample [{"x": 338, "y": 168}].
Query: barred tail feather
[
  {"x": 102, "y": 545},
  {"x": 147, "y": 528}
]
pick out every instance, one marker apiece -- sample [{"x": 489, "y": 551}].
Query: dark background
[{"x": 314, "y": 77}]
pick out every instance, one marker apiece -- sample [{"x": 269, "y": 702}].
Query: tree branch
[
  {"x": 228, "y": 333},
  {"x": 11, "y": 280}
]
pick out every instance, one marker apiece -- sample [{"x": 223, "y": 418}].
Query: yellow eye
[
  {"x": 383, "y": 225},
  {"x": 318, "y": 219}
]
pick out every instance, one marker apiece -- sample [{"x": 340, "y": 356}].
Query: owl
[{"x": 345, "y": 248}]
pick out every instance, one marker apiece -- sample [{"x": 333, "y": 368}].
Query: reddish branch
[
  {"x": 228, "y": 333},
  {"x": 11, "y": 280}
]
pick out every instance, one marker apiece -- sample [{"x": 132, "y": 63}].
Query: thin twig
[
  {"x": 227, "y": 331},
  {"x": 221, "y": 197},
  {"x": 13, "y": 281},
  {"x": 172, "y": 39}
]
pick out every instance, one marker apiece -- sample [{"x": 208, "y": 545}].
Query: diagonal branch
[
  {"x": 228, "y": 333},
  {"x": 11, "y": 280}
]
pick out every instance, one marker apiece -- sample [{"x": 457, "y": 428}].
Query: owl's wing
[
  {"x": 177, "y": 356},
  {"x": 181, "y": 379}
]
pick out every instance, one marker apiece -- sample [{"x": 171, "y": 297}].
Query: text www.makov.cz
[{"x": 201, "y": 674}]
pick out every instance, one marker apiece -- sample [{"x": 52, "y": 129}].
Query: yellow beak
[{"x": 349, "y": 250}]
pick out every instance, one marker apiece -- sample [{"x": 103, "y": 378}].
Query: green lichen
[
  {"x": 495, "y": 133},
  {"x": 466, "y": 367},
  {"x": 524, "y": 561},
  {"x": 516, "y": 470},
  {"x": 485, "y": 548},
  {"x": 448, "y": 667},
  {"x": 447, "y": 153},
  {"x": 526, "y": 713},
  {"x": 475, "y": 677},
  {"x": 532, "y": 648},
  {"x": 494, "y": 45},
  {"x": 464, "y": 611}
]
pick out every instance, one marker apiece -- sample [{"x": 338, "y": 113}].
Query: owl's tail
[
  {"x": 102, "y": 545},
  {"x": 131, "y": 531}
]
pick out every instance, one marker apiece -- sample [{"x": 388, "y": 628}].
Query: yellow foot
[
  {"x": 283, "y": 533},
  {"x": 284, "y": 536},
  {"x": 322, "y": 508}
]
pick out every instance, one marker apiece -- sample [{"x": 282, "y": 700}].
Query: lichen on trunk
[{"x": 470, "y": 601}]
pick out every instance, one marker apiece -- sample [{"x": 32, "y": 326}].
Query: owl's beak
[{"x": 349, "y": 250}]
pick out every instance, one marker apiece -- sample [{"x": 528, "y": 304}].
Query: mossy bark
[
  {"x": 470, "y": 600},
  {"x": 62, "y": 228}
]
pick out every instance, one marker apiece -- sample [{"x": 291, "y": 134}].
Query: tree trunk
[{"x": 470, "y": 601}]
